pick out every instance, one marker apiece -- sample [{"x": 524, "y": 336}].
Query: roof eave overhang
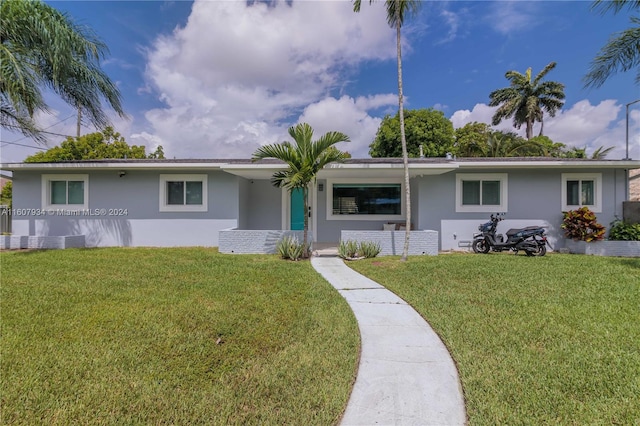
[
  {"x": 342, "y": 170},
  {"x": 589, "y": 164},
  {"x": 253, "y": 171},
  {"x": 109, "y": 166}
]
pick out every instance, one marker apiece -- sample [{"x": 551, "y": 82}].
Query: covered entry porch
[{"x": 363, "y": 200}]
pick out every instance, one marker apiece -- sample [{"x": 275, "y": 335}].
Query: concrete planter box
[
  {"x": 16, "y": 242},
  {"x": 244, "y": 241},
  {"x": 605, "y": 248},
  {"x": 392, "y": 242}
]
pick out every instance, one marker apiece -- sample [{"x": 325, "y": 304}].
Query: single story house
[{"x": 232, "y": 204}]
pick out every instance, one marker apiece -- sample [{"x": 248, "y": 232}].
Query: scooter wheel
[
  {"x": 540, "y": 250},
  {"x": 480, "y": 246}
]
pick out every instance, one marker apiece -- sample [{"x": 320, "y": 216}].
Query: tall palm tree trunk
[
  {"x": 529, "y": 129},
  {"x": 405, "y": 156},
  {"x": 305, "y": 232}
]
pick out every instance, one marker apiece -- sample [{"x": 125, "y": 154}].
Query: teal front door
[{"x": 297, "y": 210}]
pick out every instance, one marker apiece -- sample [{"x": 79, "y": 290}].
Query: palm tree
[
  {"x": 305, "y": 159},
  {"x": 396, "y": 12},
  {"x": 622, "y": 51},
  {"x": 526, "y": 100},
  {"x": 601, "y": 153},
  {"x": 41, "y": 47},
  {"x": 509, "y": 144}
]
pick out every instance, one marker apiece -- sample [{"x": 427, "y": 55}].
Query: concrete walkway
[{"x": 406, "y": 376}]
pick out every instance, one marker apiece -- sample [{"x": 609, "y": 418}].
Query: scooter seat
[{"x": 514, "y": 231}]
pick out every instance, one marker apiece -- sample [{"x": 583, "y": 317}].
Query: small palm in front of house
[{"x": 304, "y": 157}]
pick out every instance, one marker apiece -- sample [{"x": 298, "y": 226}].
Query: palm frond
[
  {"x": 43, "y": 47},
  {"x": 20, "y": 122},
  {"x": 544, "y": 72},
  {"x": 621, "y": 53},
  {"x": 603, "y": 6},
  {"x": 601, "y": 153},
  {"x": 281, "y": 151}
]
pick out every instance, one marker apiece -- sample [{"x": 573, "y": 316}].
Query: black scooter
[{"x": 531, "y": 239}]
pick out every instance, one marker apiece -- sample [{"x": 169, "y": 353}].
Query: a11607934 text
[{"x": 64, "y": 212}]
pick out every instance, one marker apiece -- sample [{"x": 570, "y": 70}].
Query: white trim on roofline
[
  {"x": 576, "y": 164},
  {"x": 110, "y": 166},
  {"x": 246, "y": 169}
]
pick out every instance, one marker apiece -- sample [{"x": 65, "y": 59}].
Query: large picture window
[
  {"x": 480, "y": 192},
  {"x": 582, "y": 190},
  {"x": 65, "y": 191},
  {"x": 183, "y": 193},
  {"x": 364, "y": 200}
]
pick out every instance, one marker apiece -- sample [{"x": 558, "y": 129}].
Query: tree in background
[
  {"x": 480, "y": 140},
  {"x": 6, "y": 195},
  {"x": 304, "y": 158},
  {"x": 397, "y": 10},
  {"x": 41, "y": 47},
  {"x": 427, "y": 127},
  {"x": 526, "y": 100},
  {"x": 471, "y": 139},
  {"x": 622, "y": 51},
  {"x": 508, "y": 144},
  {"x": 94, "y": 146},
  {"x": 545, "y": 147}
]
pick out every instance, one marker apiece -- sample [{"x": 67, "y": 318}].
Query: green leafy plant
[
  {"x": 348, "y": 249},
  {"x": 622, "y": 231},
  {"x": 6, "y": 195},
  {"x": 289, "y": 247},
  {"x": 369, "y": 249},
  {"x": 353, "y": 250},
  {"x": 581, "y": 225}
]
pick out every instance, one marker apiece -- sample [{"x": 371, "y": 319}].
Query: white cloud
[
  {"x": 349, "y": 116},
  {"x": 453, "y": 22},
  {"x": 507, "y": 17},
  {"x": 236, "y": 75},
  {"x": 582, "y": 126}
]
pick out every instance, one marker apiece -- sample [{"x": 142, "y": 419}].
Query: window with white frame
[
  {"x": 70, "y": 192},
  {"x": 360, "y": 199},
  {"x": 183, "y": 193},
  {"x": 582, "y": 190},
  {"x": 481, "y": 192}
]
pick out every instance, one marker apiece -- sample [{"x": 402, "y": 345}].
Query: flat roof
[{"x": 231, "y": 164}]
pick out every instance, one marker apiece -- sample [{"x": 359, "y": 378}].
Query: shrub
[
  {"x": 348, "y": 249},
  {"x": 290, "y": 248},
  {"x": 621, "y": 231},
  {"x": 581, "y": 225},
  {"x": 369, "y": 249},
  {"x": 353, "y": 250}
]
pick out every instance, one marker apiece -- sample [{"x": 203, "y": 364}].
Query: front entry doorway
[{"x": 296, "y": 212}]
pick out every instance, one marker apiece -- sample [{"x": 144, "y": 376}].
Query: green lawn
[
  {"x": 171, "y": 336},
  {"x": 549, "y": 340}
]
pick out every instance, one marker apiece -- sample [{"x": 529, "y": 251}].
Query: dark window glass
[
  {"x": 369, "y": 199},
  {"x": 470, "y": 192},
  {"x": 490, "y": 192},
  {"x": 175, "y": 193},
  {"x": 194, "y": 192}
]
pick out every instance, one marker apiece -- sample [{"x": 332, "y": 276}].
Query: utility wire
[
  {"x": 20, "y": 144},
  {"x": 42, "y": 131}
]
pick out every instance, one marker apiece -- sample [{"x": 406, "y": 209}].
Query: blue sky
[{"x": 215, "y": 79}]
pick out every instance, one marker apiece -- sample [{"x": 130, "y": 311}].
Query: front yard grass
[
  {"x": 171, "y": 336},
  {"x": 550, "y": 340}
]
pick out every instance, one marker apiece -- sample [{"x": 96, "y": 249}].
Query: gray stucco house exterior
[{"x": 232, "y": 204}]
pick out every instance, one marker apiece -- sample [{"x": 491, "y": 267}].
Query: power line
[
  {"x": 20, "y": 144},
  {"x": 42, "y": 131},
  {"x": 54, "y": 124}
]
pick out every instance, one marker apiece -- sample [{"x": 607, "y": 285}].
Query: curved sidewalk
[{"x": 406, "y": 375}]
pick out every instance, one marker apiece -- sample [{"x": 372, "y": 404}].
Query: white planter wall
[{"x": 605, "y": 248}]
